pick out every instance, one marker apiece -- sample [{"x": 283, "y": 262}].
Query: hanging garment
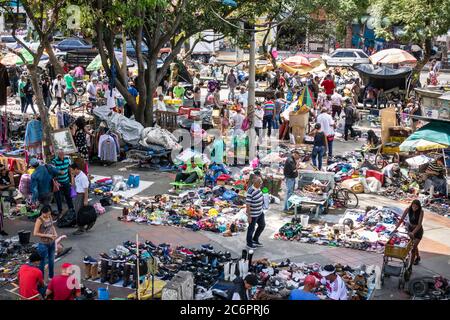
[
  {"x": 107, "y": 150},
  {"x": 4, "y": 83},
  {"x": 33, "y": 133}
]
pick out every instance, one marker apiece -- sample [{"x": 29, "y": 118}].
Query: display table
[{"x": 298, "y": 201}]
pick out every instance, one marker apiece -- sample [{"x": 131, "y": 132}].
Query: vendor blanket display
[
  {"x": 218, "y": 210},
  {"x": 358, "y": 229},
  {"x": 106, "y": 184}
]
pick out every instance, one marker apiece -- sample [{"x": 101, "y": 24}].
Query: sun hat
[{"x": 327, "y": 270}]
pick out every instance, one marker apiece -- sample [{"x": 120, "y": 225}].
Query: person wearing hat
[
  {"x": 41, "y": 181},
  {"x": 63, "y": 286},
  {"x": 242, "y": 288},
  {"x": 336, "y": 288},
  {"x": 305, "y": 294},
  {"x": 160, "y": 105},
  {"x": 30, "y": 277},
  {"x": 391, "y": 173}
]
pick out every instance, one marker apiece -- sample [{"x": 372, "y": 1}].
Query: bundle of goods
[
  {"x": 218, "y": 210},
  {"x": 119, "y": 266},
  {"x": 14, "y": 252},
  {"x": 363, "y": 230}
]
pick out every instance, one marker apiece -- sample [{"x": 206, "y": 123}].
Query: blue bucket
[
  {"x": 103, "y": 294},
  {"x": 133, "y": 181},
  {"x": 137, "y": 179}
]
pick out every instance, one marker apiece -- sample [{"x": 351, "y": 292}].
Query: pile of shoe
[
  {"x": 119, "y": 266},
  {"x": 202, "y": 209},
  {"x": 12, "y": 256}
]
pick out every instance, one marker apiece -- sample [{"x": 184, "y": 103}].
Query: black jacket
[
  {"x": 290, "y": 168},
  {"x": 239, "y": 287}
]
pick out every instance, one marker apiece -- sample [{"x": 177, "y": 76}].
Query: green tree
[
  {"x": 43, "y": 16},
  {"x": 420, "y": 21}
]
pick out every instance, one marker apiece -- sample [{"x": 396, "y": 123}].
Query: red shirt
[
  {"x": 29, "y": 279},
  {"x": 329, "y": 86},
  {"x": 58, "y": 286}
]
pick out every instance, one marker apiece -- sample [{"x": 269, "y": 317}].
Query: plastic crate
[{"x": 397, "y": 252}]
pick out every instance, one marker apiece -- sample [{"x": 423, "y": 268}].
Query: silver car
[{"x": 346, "y": 58}]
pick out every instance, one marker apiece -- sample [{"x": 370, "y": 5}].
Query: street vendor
[
  {"x": 391, "y": 173},
  {"x": 415, "y": 228},
  {"x": 190, "y": 173},
  {"x": 336, "y": 289},
  {"x": 436, "y": 181}
]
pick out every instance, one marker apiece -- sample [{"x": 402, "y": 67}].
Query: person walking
[
  {"x": 46, "y": 94},
  {"x": 350, "y": 119},
  {"x": 328, "y": 85},
  {"x": 81, "y": 183},
  {"x": 319, "y": 147},
  {"x": 41, "y": 182},
  {"x": 255, "y": 213},
  {"x": 327, "y": 125},
  {"x": 269, "y": 116},
  {"x": 29, "y": 93},
  {"x": 336, "y": 104},
  {"x": 232, "y": 84},
  {"x": 290, "y": 174},
  {"x": 62, "y": 287},
  {"x": 44, "y": 229},
  {"x": 62, "y": 163},
  {"x": 58, "y": 91},
  {"x": 20, "y": 87}
]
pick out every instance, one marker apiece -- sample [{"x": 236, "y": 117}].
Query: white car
[
  {"x": 9, "y": 42},
  {"x": 346, "y": 58}
]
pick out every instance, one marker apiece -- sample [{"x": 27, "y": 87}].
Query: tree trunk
[
  {"x": 53, "y": 59},
  {"x": 151, "y": 89},
  {"x": 348, "y": 36},
  {"x": 46, "y": 129},
  {"x": 426, "y": 57}
]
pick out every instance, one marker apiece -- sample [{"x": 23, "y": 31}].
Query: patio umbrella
[
  {"x": 297, "y": 61},
  {"x": 420, "y": 145},
  {"x": 11, "y": 59},
  {"x": 392, "y": 56},
  {"x": 96, "y": 64},
  {"x": 435, "y": 133}
]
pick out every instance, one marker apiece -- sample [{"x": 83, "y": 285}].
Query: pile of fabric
[
  {"x": 158, "y": 136},
  {"x": 367, "y": 230},
  {"x": 219, "y": 209}
]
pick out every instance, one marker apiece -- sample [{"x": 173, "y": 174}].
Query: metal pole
[
  {"x": 252, "y": 71},
  {"x": 124, "y": 55}
]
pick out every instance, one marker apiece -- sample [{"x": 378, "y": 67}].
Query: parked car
[
  {"x": 9, "y": 41},
  {"x": 73, "y": 44},
  {"x": 346, "y": 58},
  {"x": 131, "y": 51}
]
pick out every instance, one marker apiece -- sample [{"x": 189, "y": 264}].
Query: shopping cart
[{"x": 397, "y": 263}]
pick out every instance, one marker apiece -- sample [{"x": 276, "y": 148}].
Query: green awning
[{"x": 438, "y": 132}]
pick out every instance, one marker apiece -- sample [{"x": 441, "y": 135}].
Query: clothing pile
[
  {"x": 219, "y": 210},
  {"x": 158, "y": 136},
  {"x": 367, "y": 230}
]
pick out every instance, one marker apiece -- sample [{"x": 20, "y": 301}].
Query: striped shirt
[
  {"x": 436, "y": 168},
  {"x": 62, "y": 165},
  {"x": 255, "y": 200},
  {"x": 269, "y": 107}
]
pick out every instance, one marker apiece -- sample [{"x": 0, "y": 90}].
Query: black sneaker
[
  {"x": 257, "y": 244},
  {"x": 3, "y": 233},
  {"x": 250, "y": 246},
  {"x": 89, "y": 226}
]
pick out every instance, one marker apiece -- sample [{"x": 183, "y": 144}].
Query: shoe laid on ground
[
  {"x": 3, "y": 233},
  {"x": 208, "y": 247},
  {"x": 89, "y": 260},
  {"x": 78, "y": 232},
  {"x": 257, "y": 244},
  {"x": 250, "y": 246}
]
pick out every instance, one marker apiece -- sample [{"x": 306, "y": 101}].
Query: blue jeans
[
  {"x": 330, "y": 148},
  {"x": 290, "y": 186},
  {"x": 268, "y": 123},
  {"x": 47, "y": 252},
  {"x": 317, "y": 153},
  {"x": 253, "y": 236}
]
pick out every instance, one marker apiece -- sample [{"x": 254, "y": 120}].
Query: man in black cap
[
  {"x": 242, "y": 288},
  {"x": 336, "y": 289}
]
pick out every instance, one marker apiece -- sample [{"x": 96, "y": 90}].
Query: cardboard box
[{"x": 298, "y": 120}]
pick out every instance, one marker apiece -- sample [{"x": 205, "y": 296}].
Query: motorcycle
[{"x": 430, "y": 288}]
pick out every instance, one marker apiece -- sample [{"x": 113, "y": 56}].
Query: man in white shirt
[
  {"x": 328, "y": 125},
  {"x": 160, "y": 105},
  {"x": 58, "y": 91},
  {"x": 336, "y": 104},
  {"x": 258, "y": 121},
  {"x": 242, "y": 97},
  {"x": 91, "y": 89},
  {"x": 213, "y": 59},
  {"x": 336, "y": 288},
  {"x": 81, "y": 183}
]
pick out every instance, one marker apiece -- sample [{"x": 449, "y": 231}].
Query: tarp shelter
[
  {"x": 437, "y": 133},
  {"x": 384, "y": 77},
  {"x": 11, "y": 59},
  {"x": 316, "y": 65},
  {"x": 96, "y": 64}
]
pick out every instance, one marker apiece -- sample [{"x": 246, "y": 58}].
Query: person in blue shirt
[
  {"x": 41, "y": 181},
  {"x": 305, "y": 293},
  {"x": 134, "y": 92}
]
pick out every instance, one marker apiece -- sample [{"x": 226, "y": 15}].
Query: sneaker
[
  {"x": 89, "y": 226},
  {"x": 257, "y": 244},
  {"x": 89, "y": 260},
  {"x": 208, "y": 247},
  {"x": 250, "y": 246}
]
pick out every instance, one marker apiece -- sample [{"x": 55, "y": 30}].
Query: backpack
[
  {"x": 68, "y": 220},
  {"x": 86, "y": 215}
]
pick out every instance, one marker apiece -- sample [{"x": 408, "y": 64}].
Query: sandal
[{"x": 416, "y": 262}]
